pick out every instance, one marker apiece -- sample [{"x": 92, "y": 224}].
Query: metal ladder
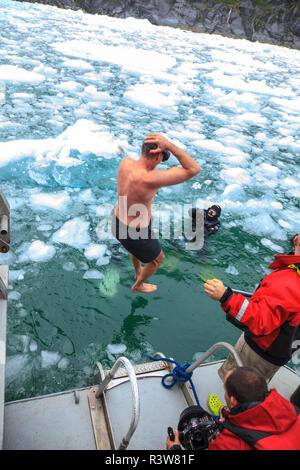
[{"x": 98, "y": 406}]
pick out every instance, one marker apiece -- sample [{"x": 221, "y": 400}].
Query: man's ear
[
  {"x": 296, "y": 240},
  {"x": 233, "y": 402}
]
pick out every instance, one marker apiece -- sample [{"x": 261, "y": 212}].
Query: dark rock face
[{"x": 274, "y": 21}]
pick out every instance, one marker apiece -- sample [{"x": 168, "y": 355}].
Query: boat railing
[
  {"x": 211, "y": 351},
  {"x": 4, "y": 224},
  {"x": 135, "y": 396}
]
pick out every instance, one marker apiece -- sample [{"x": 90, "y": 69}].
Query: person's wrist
[{"x": 226, "y": 295}]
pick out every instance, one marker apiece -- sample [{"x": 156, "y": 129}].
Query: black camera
[
  {"x": 197, "y": 428},
  {"x": 166, "y": 154}
]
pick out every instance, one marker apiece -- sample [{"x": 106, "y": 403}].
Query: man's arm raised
[{"x": 189, "y": 167}]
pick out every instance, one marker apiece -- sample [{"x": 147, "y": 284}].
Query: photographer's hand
[{"x": 176, "y": 442}]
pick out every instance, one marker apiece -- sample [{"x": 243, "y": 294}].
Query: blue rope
[{"x": 178, "y": 374}]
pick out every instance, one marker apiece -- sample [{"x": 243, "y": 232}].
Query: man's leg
[
  {"x": 137, "y": 266},
  {"x": 249, "y": 358},
  {"x": 147, "y": 271}
]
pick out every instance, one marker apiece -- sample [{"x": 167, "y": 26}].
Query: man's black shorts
[{"x": 144, "y": 248}]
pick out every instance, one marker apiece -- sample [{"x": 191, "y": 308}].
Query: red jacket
[
  {"x": 271, "y": 317},
  {"x": 272, "y": 424}
]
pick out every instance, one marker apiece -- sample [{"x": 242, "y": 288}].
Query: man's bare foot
[{"x": 144, "y": 288}]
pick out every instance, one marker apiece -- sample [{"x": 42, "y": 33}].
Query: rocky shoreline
[{"x": 271, "y": 21}]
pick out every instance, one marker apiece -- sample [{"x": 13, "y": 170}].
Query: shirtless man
[{"x": 138, "y": 183}]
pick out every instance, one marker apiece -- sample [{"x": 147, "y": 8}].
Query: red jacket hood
[
  {"x": 274, "y": 415},
  {"x": 284, "y": 260}
]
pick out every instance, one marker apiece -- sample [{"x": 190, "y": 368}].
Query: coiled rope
[{"x": 178, "y": 374}]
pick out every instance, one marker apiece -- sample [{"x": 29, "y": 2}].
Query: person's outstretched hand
[{"x": 214, "y": 288}]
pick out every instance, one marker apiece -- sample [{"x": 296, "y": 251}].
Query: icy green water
[{"x": 78, "y": 93}]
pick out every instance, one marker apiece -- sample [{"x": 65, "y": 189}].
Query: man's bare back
[{"x": 138, "y": 183}]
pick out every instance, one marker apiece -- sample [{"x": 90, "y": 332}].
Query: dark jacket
[{"x": 211, "y": 226}]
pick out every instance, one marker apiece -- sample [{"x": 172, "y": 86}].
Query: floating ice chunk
[
  {"x": 16, "y": 275},
  {"x": 232, "y": 270},
  {"x": 103, "y": 260},
  {"x": 251, "y": 249},
  {"x": 231, "y": 188},
  {"x": 87, "y": 196},
  {"x": 95, "y": 94},
  {"x": 69, "y": 266},
  {"x": 116, "y": 348},
  {"x": 49, "y": 359},
  {"x": 14, "y": 295},
  {"x": 74, "y": 233},
  {"x": 269, "y": 244},
  {"x": 54, "y": 201},
  {"x": 63, "y": 363},
  {"x": 77, "y": 64},
  {"x": 11, "y": 73},
  {"x": 38, "y": 251},
  {"x": 137, "y": 60},
  {"x": 150, "y": 96},
  {"x": 33, "y": 346},
  {"x": 290, "y": 183},
  {"x": 95, "y": 251},
  {"x": 235, "y": 175},
  {"x": 15, "y": 366},
  {"x": 68, "y": 86},
  {"x": 44, "y": 228},
  {"x": 93, "y": 274},
  {"x": 284, "y": 224},
  {"x": 269, "y": 169},
  {"x": 263, "y": 224}
]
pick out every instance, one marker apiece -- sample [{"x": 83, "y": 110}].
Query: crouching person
[{"x": 254, "y": 418}]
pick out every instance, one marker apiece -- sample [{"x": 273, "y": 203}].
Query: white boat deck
[{"x": 58, "y": 422}]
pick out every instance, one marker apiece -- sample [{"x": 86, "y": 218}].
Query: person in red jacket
[
  {"x": 270, "y": 319},
  {"x": 256, "y": 419}
]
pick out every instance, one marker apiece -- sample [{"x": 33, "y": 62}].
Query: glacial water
[{"x": 77, "y": 93}]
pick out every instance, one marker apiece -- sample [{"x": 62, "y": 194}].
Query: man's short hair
[
  {"x": 146, "y": 150},
  {"x": 246, "y": 384}
]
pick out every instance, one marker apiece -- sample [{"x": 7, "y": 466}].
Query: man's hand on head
[
  {"x": 214, "y": 288},
  {"x": 158, "y": 139}
]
